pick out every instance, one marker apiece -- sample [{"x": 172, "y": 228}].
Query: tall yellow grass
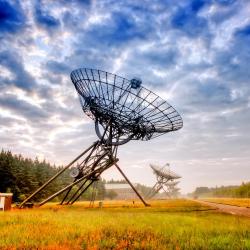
[
  {"x": 241, "y": 202},
  {"x": 175, "y": 224}
]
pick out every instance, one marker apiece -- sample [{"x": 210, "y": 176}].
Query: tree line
[
  {"x": 241, "y": 191},
  {"x": 22, "y": 176}
]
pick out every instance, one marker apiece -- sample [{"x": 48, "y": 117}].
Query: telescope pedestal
[{"x": 93, "y": 162}]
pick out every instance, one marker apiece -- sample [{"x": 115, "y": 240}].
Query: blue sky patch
[{"x": 11, "y": 17}]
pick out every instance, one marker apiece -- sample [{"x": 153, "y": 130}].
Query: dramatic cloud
[
  {"x": 12, "y": 18},
  {"x": 14, "y": 64},
  {"x": 194, "y": 53}
]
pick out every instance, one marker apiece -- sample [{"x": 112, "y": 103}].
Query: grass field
[
  {"x": 174, "y": 224},
  {"x": 243, "y": 202}
]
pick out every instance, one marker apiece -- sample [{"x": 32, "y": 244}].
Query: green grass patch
[{"x": 179, "y": 224}]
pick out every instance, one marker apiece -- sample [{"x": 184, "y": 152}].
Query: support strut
[
  {"x": 131, "y": 185},
  {"x": 100, "y": 157},
  {"x": 56, "y": 175}
]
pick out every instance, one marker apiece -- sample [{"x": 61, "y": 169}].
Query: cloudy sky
[{"x": 195, "y": 54}]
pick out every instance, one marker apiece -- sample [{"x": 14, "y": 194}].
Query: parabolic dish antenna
[
  {"x": 164, "y": 172},
  {"x": 123, "y": 110},
  {"x": 133, "y": 112},
  {"x": 165, "y": 180}
]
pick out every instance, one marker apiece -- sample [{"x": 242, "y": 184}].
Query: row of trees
[
  {"x": 22, "y": 176},
  {"x": 242, "y": 191}
]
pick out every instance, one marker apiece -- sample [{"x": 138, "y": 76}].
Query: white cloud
[{"x": 204, "y": 74}]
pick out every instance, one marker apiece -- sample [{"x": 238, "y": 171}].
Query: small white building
[
  {"x": 123, "y": 191},
  {"x": 5, "y": 201}
]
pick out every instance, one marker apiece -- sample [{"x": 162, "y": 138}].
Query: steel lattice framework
[
  {"x": 165, "y": 180},
  {"x": 122, "y": 110},
  {"x": 133, "y": 111}
]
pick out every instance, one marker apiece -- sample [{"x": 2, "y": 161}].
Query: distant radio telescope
[{"x": 165, "y": 181}]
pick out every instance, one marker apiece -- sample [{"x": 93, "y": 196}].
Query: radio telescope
[
  {"x": 166, "y": 180},
  {"x": 122, "y": 110}
]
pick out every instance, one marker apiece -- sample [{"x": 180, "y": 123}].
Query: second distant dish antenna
[{"x": 166, "y": 180}]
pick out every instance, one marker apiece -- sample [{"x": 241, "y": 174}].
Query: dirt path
[{"x": 227, "y": 208}]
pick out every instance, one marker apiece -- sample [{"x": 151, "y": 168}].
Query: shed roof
[
  {"x": 5, "y": 194},
  {"x": 117, "y": 186}
]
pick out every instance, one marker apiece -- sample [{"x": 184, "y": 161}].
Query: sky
[{"x": 195, "y": 54}]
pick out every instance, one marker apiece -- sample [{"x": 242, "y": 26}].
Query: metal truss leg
[
  {"x": 131, "y": 185},
  {"x": 66, "y": 195},
  {"x": 84, "y": 190},
  {"x": 72, "y": 197},
  {"x": 167, "y": 192},
  {"x": 61, "y": 191},
  {"x": 149, "y": 194},
  {"x": 95, "y": 172},
  {"x": 155, "y": 190},
  {"x": 93, "y": 197},
  {"x": 56, "y": 175}
]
